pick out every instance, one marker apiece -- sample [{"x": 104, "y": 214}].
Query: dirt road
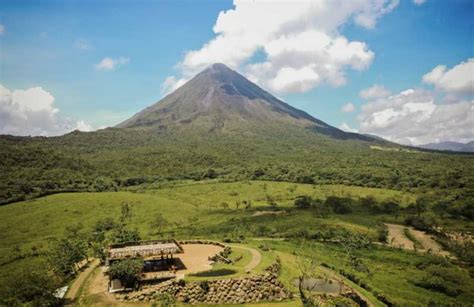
[
  {"x": 256, "y": 257},
  {"x": 397, "y": 238},
  {"x": 77, "y": 283}
]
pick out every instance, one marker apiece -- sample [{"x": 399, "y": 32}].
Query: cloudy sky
[{"x": 402, "y": 70}]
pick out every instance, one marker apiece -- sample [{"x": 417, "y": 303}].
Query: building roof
[{"x": 144, "y": 249}]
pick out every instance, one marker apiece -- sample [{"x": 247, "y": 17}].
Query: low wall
[
  {"x": 182, "y": 242},
  {"x": 252, "y": 289}
]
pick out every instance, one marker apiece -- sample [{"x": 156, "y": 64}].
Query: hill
[
  {"x": 219, "y": 124},
  {"x": 450, "y": 146}
]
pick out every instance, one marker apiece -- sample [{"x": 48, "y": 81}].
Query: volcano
[{"x": 220, "y": 99}]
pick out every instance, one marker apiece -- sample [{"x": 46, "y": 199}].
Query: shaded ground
[
  {"x": 320, "y": 285},
  {"x": 260, "y": 213}
]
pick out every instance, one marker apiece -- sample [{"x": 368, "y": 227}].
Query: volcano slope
[{"x": 219, "y": 124}]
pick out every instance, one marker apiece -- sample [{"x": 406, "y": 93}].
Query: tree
[
  {"x": 369, "y": 203},
  {"x": 121, "y": 233},
  {"x": 340, "y": 205},
  {"x": 271, "y": 202},
  {"x": 125, "y": 235},
  {"x": 125, "y": 214},
  {"x": 382, "y": 233},
  {"x": 303, "y": 202},
  {"x": 32, "y": 287},
  {"x": 158, "y": 224},
  {"x": 391, "y": 207},
  {"x": 307, "y": 264},
  {"x": 65, "y": 253},
  {"x": 128, "y": 271}
]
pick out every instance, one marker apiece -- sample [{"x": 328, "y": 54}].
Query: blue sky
[{"x": 59, "y": 45}]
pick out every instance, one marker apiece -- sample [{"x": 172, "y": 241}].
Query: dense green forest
[{"x": 111, "y": 159}]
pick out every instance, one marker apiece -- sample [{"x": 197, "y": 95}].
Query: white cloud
[
  {"x": 416, "y": 116},
  {"x": 374, "y": 92},
  {"x": 111, "y": 64},
  {"x": 2, "y": 29},
  {"x": 457, "y": 80},
  {"x": 171, "y": 84},
  {"x": 32, "y": 112},
  {"x": 348, "y": 107},
  {"x": 82, "y": 44},
  {"x": 419, "y": 2},
  {"x": 301, "y": 41},
  {"x": 347, "y": 128}
]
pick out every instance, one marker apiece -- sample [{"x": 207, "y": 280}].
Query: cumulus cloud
[
  {"x": 32, "y": 112},
  {"x": 348, "y": 107},
  {"x": 457, "y": 80},
  {"x": 301, "y": 43},
  {"x": 172, "y": 83},
  {"x": 347, "y": 128},
  {"x": 374, "y": 92},
  {"x": 417, "y": 116},
  {"x": 419, "y": 2},
  {"x": 111, "y": 64},
  {"x": 2, "y": 29}
]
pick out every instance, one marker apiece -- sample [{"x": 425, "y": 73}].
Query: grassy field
[{"x": 209, "y": 210}]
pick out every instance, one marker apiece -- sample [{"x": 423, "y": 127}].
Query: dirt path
[
  {"x": 77, "y": 283},
  {"x": 397, "y": 238},
  {"x": 428, "y": 242},
  {"x": 256, "y": 257}
]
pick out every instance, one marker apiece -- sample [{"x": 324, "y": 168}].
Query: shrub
[
  {"x": 382, "y": 234},
  {"x": 447, "y": 280},
  {"x": 339, "y": 205},
  {"x": 127, "y": 271},
  {"x": 303, "y": 202}
]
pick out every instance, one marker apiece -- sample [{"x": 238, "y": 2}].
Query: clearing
[{"x": 397, "y": 238}]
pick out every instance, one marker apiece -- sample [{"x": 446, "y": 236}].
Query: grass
[
  {"x": 412, "y": 238},
  {"x": 194, "y": 210}
]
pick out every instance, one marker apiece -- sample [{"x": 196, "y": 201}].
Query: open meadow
[{"x": 255, "y": 214}]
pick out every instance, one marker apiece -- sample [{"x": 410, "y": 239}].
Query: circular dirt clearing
[{"x": 195, "y": 257}]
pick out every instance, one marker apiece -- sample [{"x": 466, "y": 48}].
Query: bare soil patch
[
  {"x": 196, "y": 257},
  {"x": 428, "y": 242},
  {"x": 397, "y": 238}
]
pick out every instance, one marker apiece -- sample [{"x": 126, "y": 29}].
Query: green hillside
[
  {"x": 209, "y": 210},
  {"x": 114, "y": 158}
]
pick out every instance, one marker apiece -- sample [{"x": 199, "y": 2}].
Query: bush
[
  {"x": 303, "y": 202},
  {"x": 339, "y": 205},
  {"x": 127, "y": 271},
  {"x": 31, "y": 288},
  {"x": 418, "y": 222},
  {"x": 447, "y": 280},
  {"x": 382, "y": 233}
]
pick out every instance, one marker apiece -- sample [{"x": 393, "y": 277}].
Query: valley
[
  {"x": 216, "y": 210},
  {"x": 292, "y": 200}
]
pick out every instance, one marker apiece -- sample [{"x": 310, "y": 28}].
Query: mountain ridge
[{"x": 450, "y": 146}]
